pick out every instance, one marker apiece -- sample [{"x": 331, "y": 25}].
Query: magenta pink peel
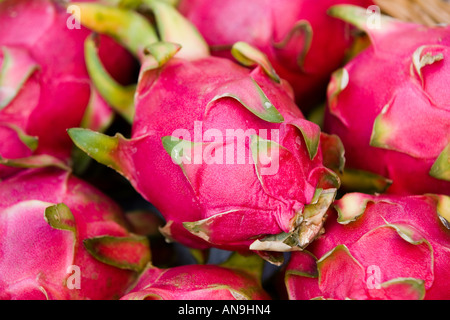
[{"x": 197, "y": 282}]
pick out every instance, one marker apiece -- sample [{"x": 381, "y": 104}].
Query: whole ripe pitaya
[
  {"x": 391, "y": 105},
  {"x": 45, "y": 87},
  {"x": 221, "y": 150},
  {"x": 377, "y": 247},
  {"x": 303, "y": 43},
  {"x": 62, "y": 239},
  {"x": 227, "y": 281}
]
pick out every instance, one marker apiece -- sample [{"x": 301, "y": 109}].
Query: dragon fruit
[
  {"x": 45, "y": 87},
  {"x": 303, "y": 43},
  {"x": 377, "y": 247},
  {"x": 63, "y": 239},
  {"x": 220, "y": 149},
  {"x": 390, "y": 106},
  {"x": 236, "y": 279}
]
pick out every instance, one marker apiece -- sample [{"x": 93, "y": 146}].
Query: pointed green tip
[
  {"x": 333, "y": 152},
  {"x": 199, "y": 255},
  {"x": 163, "y": 51},
  {"x": 250, "y": 95},
  {"x": 251, "y": 263},
  {"x": 442, "y": 208},
  {"x": 17, "y": 66},
  {"x": 169, "y": 143},
  {"x": 35, "y": 161},
  {"x": 350, "y": 13},
  {"x": 179, "y": 150},
  {"x": 382, "y": 131},
  {"x": 424, "y": 56},
  {"x": 311, "y": 134},
  {"x": 410, "y": 288},
  {"x": 98, "y": 146},
  {"x": 364, "y": 181},
  {"x": 441, "y": 167},
  {"x": 369, "y": 20},
  {"x": 31, "y": 142},
  {"x": 157, "y": 55},
  {"x": 174, "y": 27},
  {"x": 128, "y": 27},
  {"x": 120, "y": 98},
  {"x": 129, "y": 253},
  {"x": 249, "y": 56},
  {"x": 300, "y": 27},
  {"x": 60, "y": 217}
]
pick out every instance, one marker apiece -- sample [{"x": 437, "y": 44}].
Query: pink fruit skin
[
  {"x": 36, "y": 257},
  {"x": 12, "y": 148},
  {"x": 378, "y": 252},
  {"x": 263, "y": 23},
  {"x": 196, "y": 282},
  {"x": 168, "y": 100},
  {"x": 418, "y": 112},
  {"x": 55, "y": 96}
]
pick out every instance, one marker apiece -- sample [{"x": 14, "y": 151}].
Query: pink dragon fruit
[
  {"x": 390, "y": 105},
  {"x": 251, "y": 180},
  {"x": 303, "y": 43},
  {"x": 62, "y": 239},
  {"x": 45, "y": 87},
  {"x": 227, "y": 281},
  {"x": 377, "y": 247}
]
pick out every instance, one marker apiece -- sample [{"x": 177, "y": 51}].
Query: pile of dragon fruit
[{"x": 222, "y": 150}]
